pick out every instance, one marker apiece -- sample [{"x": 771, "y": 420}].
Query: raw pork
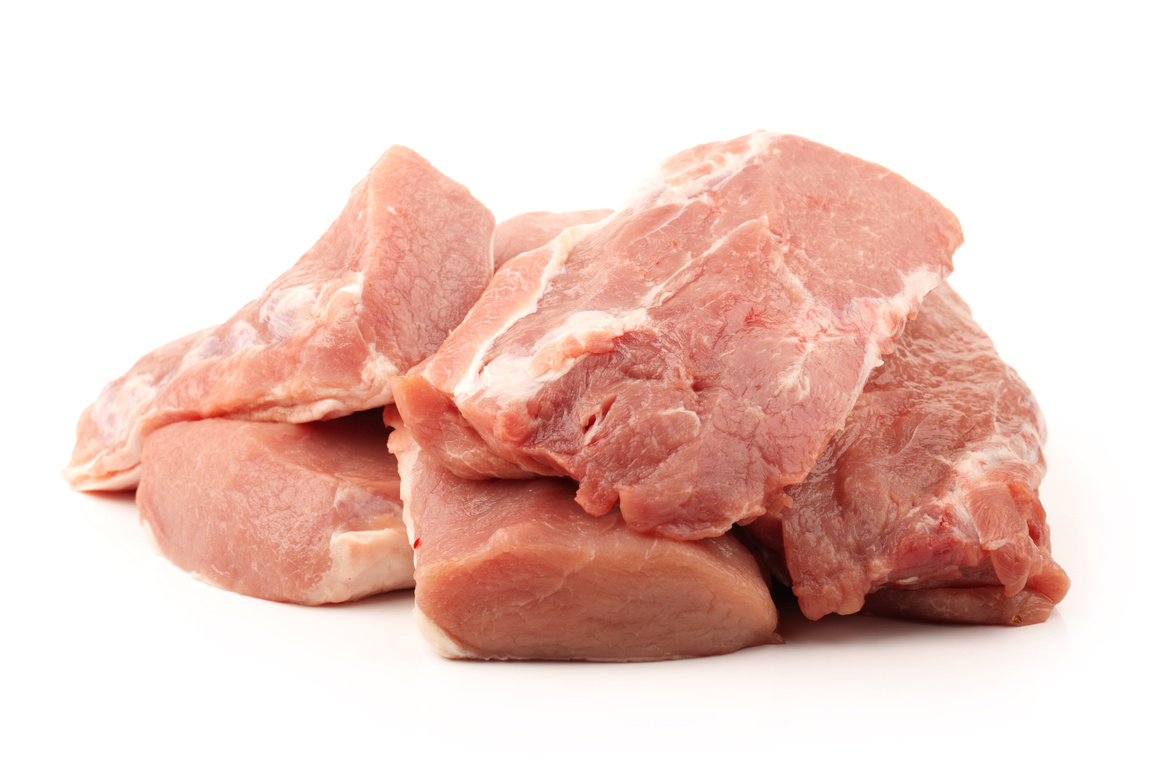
[
  {"x": 514, "y": 569},
  {"x": 306, "y": 513},
  {"x": 532, "y": 230},
  {"x": 926, "y": 503},
  {"x": 383, "y": 287},
  {"x": 692, "y": 354}
]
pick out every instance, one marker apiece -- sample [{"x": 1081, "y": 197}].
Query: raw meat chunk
[
  {"x": 692, "y": 354},
  {"x": 307, "y": 513},
  {"x": 926, "y": 503},
  {"x": 383, "y": 287},
  {"x": 535, "y": 228},
  {"x": 514, "y": 569}
]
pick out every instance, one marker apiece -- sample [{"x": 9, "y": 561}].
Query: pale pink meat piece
[
  {"x": 514, "y": 569},
  {"x": 532, "y": 230},
  {"x": 398, "y": 269},
  {"x": 692, "y": 354},
  {"x": 307, "y": 513},
  {"x": 926, "y": 504}
]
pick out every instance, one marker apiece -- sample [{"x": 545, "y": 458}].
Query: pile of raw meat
[{"x": 610, "y": 434}]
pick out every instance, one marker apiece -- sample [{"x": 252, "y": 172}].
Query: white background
[{"x": 160, "y": 163}]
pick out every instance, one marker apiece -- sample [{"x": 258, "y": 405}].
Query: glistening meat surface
[
  {"x": 926, "y": 504},
  {"x": 307, "y": 513},
  {"x": 514, "y": 569},
  {"x": 692, "y": 354},
  {"x": 381, "y": 289}
]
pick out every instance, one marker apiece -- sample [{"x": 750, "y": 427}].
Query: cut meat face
[
  {"x": 926, "y": 503},
  {"x": 309, "y": 513},
  {"x": 532, "y": 230},
  {"x": 692, "y": 354},
  {"x": 514, "y": 569},
  {"x": 383, "y": 287}
]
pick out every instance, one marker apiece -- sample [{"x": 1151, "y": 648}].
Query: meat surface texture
[
  {"x": 514, "y": 569},
  {"x": 398, "y": 269},
  {"x": 926, "y": 504},
  {"x": 532, "y": 230},
  {"x": 692, "y": 354},
  {"x": 308, "y": 513}
]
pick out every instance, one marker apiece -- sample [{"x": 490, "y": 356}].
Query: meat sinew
[
  {"x": 307, "y": 513},
  {"x": 692, "y": 354},
  {"x": 514, "y": 569},
  {"x": 926, "y": 504},
  {"x": 532, "y": 230},
  {"x": 398, "y": 269}
]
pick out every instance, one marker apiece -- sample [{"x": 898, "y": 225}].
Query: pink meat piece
[
  {"x": 692, "y": 354},
  {"x": 398, "y": 269},
  {"x": 926, "y": 503},
  {"x": 307, "y": 513},
  {"x": 532, "y": 230},
  {"x": 514, "y": 569}
]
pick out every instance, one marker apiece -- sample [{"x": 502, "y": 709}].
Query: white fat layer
[
  {"x": 973, "y": 468},
  {"x": 114, "y": 413},
  {"x": 118, "y": 406},
  {"x": 439, "y": 640},
  {"x": 80, "y": 477},
  {"x": 916, "y": 285},
  {"x": 365, "y": 563},
  {"x": 892, "y": 314},
  {"x": 509, "y": 377},
  {"x": 376, "y": 373},
  {"x": 562, "y": 246},
  {"x": 512, "y": 376},
  {"x": 656, "y": 190},
  {"x": 351, "y": 289},
  {"x": 407, "y": 463},
  {"x": 239, "y": 336},
  {"x": 289, "y": 310},
  {"x": 975, "y": 464}
]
